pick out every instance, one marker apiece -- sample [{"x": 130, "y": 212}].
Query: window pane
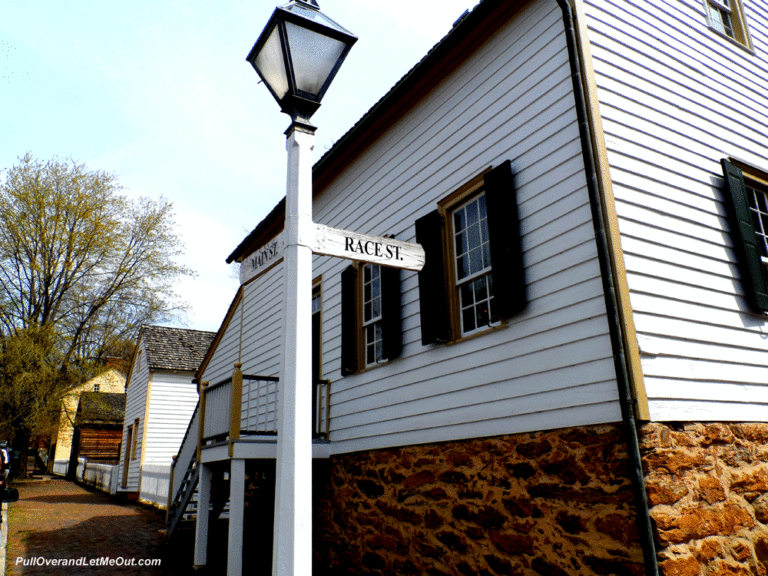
[
  {"x": 468, "y": 320},
  {"x": 461, "y": 268},
  {"x": 467, "y": 295},
  {"x": 483, "y": 314},
  {"x": 486, "y": 255},
  {"x": 475, "y": 261},
  {"x": 472, "y": 213},
  {"x": 481, "y": 289},
  {"x": 459, "y": 222},
  {"x": 473, "y": 236},
  {"x": 461, "y": 243}
]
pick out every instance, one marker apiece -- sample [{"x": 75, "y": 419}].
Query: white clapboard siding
[
  {"x": 173, "y": 398},
  {"x": 135, "y": 405},
  {"x": 552, "y": 365},
  {"x": 549, "y": 367},
  {"x": 675, "y": 98}
]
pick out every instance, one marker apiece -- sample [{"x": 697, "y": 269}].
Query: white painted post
[
  {"x": 3, "y": 536},
  {"x": 236, "y": 517},
  {"x": 292, "y": 553},
  {"x": 203, "y": 515}
]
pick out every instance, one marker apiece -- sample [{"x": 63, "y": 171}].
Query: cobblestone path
[{"x": 58, "y": 520}]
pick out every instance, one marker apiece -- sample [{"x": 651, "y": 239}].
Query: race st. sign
[{"x": 375, "y": 249}]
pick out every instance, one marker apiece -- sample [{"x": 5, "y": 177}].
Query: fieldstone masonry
[
  {"x": 554, "y": 503},
  {"x": 707, "y": 486}
]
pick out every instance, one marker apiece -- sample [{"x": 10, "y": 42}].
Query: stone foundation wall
[
  {"x": 707, "y": 486},
  {"x": 553, "y": 503}
]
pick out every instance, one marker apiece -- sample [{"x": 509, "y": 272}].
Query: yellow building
[{"x": 112, "y": 381}]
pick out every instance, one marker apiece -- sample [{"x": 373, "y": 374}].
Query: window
[
  {"x": 95, "y": 387},
  {"x": 472, "y": 264},
  {"x": 758, "y": 205},
  {"x": 370, "y": 316},
  {"x": 317, "y": 331},
  {"x": 134, "y": 448},
  {"x": 473, "y": 277},
  {"x": 727, "y": 18},
  {"x": 372, "y": 324},
  {"x": 747, "y": 193}
]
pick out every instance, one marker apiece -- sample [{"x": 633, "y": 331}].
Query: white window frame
[{"x": 472, "y": 277}]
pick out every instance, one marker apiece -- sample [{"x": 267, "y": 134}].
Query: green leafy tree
[{"x": 82, "y": 266}]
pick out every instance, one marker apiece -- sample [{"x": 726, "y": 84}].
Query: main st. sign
[{"x": 340, "y": 244}]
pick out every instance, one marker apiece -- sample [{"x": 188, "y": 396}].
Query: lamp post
[{"x": 297, "y": 56}]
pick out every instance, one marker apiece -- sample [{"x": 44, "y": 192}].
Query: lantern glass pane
[
  {"x": 269, "y": 61},
  {"x": 314, "y": 57}
]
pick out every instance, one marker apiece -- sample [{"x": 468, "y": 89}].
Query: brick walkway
[{"x": 58, "y": 519}]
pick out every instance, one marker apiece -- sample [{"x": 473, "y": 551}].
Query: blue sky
[{"x": 160, "y": 94}]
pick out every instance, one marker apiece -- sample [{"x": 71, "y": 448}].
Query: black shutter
[
  {"x": 390, "y": 311},
  {"x": 349, "y": 321},
  {"x": 744, "y": 238},
  {"x": 433, "y": 300},
  {"x": 506, "y": 251}
]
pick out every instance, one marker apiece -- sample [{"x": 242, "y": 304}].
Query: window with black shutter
[
  {"x": 473, "y": 277},
  {"x": 746, "y": 190},
  {"x": 370, "y": 316}
]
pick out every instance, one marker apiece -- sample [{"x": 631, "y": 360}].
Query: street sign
[
  {"x": 375, "y": 249},
  {"x": 261, "y": 259},
  {"x": 341, "y": 244}
]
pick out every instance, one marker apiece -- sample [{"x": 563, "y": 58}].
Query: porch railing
[{"x": 258, "y": 408}]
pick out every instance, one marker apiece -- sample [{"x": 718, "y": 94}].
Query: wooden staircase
[{"x": 184, "y": 477}]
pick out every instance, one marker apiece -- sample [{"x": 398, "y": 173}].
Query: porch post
[
  {"x": 203, "y": 515},
  {"x": 235, "y": 406},
  {"x": 236, "y": 517}
]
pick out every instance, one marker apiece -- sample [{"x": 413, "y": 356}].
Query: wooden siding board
[
  {"x": 684, "y": 389},
  {"x": 684, "y": 410}
]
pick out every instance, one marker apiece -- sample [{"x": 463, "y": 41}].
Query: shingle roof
[
  {"x": 175, "y": 348},
  {"x": 100, "y": 407}
]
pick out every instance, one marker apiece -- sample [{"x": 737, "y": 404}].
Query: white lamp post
[{"x": 297, "y": 56}]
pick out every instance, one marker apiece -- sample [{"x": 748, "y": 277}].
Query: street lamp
[{"x": 297, "y": 56}]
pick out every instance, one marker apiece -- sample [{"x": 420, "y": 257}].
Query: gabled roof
[
  {"x": 175, "y": 348},
  {"x": 100, "y": 408}
]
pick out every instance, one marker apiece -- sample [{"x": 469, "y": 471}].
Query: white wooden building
[
  {"x": 160, "y": 400},
  {"x": 593, "y": 162}
]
